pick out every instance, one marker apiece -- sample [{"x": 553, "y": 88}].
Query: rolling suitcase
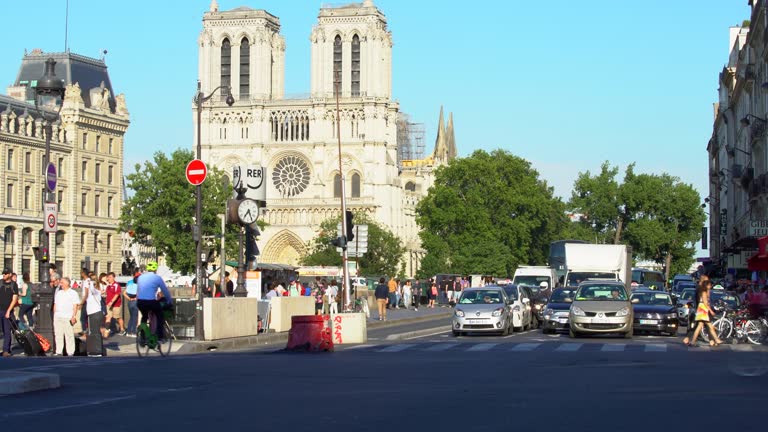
[{"x": 28, "y": 341}]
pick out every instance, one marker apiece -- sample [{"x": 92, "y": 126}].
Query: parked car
[
  {"x": 521, "y": 306},
  {"x": 654, "y": 312},
  {"x": 601, "y": 307},
  {"x": 485, "y": 309},
  {"x": 685, "y": 304},
  {"x": 555, "y": 315}
]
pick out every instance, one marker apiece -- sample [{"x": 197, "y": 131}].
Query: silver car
[
  {"x": 601, "y": 307},
  {"x": 485, "y": 309}
]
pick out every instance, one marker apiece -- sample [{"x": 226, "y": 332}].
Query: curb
[
  {"x": 24, "y": 382},
  {"x": 418, "y": 333},
  {"x": 385, "y": 324}
]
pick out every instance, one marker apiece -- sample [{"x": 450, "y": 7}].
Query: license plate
[
  {"x": 562, "y": 320},
  {"x": 651, "y": 322},
  {"x": 475, "y": 321}
]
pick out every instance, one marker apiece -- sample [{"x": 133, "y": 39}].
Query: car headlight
[
  {"x": 459, "y": 313},
  {"x": 623, "y": 312},
  {"x": 497, "y": 312},
  {"x": 672, "y": 315},
  {"x": 548, "y": 313},
  {"x": 577, "y": 311},
  {"x": 538, "y": 306}
]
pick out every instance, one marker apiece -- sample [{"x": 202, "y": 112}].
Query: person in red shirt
[{"x": 114, "y": 303}]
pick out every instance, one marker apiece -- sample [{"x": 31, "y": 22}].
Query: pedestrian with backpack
[{"x": 9, "y": 296}]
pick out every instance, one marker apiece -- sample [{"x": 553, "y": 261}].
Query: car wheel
[
  {"x": 456, "y": 333},
  {"x": 505, "y": 332},
  {"x": 628, "y": 335},
  {"x": 546, "y": 331}
]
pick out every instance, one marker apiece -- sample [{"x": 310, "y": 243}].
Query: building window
[
  {"x": 245, "y": 61},
  {"x": 83, "y": 173},
  {"x": 109, "y": 243},
  {"x": 9, "y": 195},
  {"x": 98, "y": 142},
  {"x": 96, "y": 267},
  {"x": 28, "y": 162},
  {"x": 110, "y": 174},
  {"x": 410, "y": 186},
  {"x": 226, "y": 62},
  {"x": 336, "y": 65},
  {"x": 82, "y": 244},
  {"x": 355, "y": 185},
  {"x": 85, "y": 141},
  {"x": 9, "y": 164},
  {"x": 61, "y": 200},
  {"x": 111, "y": 144},
  {"x": 109, "y": 206},
  {"x": 97, "y": 206},
  {"x": 97, "y": 173},
  {"x": 355, "y": 66},
  {"x": 84, "y": 203},
  {"x": 337, "y": 186},
  {"x": 109, "y": 266},
  {"x": 61, "y": 167},
  {"x": 96, "y": 242},
  {"x": 27, "y": 196}
]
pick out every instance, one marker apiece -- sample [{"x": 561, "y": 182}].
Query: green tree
[
  {"x": 161, "y": 210},
  {"x": 596, "y": 199},
  {"x": 385, "y": 250},
  {"x": 487, "y": 214}
]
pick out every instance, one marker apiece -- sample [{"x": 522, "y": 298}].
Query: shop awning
[
  {"x": 742, "y": 244},
  {"x": 759, "y": 261}
]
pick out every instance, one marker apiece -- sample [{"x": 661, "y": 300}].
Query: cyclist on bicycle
[{"x": 146, "y": 297}]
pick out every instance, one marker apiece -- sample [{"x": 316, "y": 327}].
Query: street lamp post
[
  {"x": 200, "y": 99},
  {"x": 49, "y": 90}
]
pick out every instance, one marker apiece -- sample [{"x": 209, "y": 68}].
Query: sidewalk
[{"x": 118, "y": 345}]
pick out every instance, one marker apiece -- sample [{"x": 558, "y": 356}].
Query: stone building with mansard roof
[
  {"x": 295, "y": 137},
  {"x": 87, "y": 149}
]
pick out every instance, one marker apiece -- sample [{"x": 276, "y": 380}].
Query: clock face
[{"x": 248, "y": 211}]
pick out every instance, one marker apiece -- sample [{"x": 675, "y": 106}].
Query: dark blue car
[{"x": 555, "y": 316}]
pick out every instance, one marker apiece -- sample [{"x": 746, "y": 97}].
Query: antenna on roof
[
  {"x": 66, "y": 29},
  {"x": 103, "y": 55}
]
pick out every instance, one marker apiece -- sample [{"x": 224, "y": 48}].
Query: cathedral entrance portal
[{"x": 284, "y": 248}]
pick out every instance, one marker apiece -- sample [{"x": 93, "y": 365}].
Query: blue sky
[{"x": 563, "y": 84}]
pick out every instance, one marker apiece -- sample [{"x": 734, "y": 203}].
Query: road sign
[
  {"x": 51, "y": 177},
  {"x": 196, "y": 172},
  {"x": 253, "y": 179},
  {"x": 51, "y": 218}
]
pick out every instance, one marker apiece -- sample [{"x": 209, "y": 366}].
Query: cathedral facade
[{"x": 296, "y": 138}]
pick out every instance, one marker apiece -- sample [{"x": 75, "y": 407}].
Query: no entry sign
[{"x": 196, "y": 172}]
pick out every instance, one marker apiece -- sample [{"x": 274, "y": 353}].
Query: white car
[{"x": 520, "y": 304}]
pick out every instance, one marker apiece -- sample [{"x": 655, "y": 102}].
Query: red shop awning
[{"x": 759, "y": 261}]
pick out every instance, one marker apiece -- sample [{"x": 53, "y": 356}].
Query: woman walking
[
  {"x": 432, "y": 295},
  {"x": 25, "y": 295},
  {"x": 703, "y": 311}
]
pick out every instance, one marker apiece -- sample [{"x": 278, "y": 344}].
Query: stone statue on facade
[
  {"x": 120, "y": 107},
  {"x": 104, "y": 106},
  {"x": 12, "y": 122},
  {"x": 73, "y": 94}
]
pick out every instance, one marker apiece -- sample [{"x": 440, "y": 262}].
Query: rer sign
[{"x": 253, "y": 179}]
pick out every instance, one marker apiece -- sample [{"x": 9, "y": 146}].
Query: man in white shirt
[{"x": 65, "y": 306}]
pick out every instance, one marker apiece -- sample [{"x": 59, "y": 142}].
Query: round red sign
[
  {"x": 196, "y": 172},
  {"x": 51, "y": 221}
]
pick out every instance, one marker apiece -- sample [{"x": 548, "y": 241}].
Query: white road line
[
  {"x": 358, "y": 347},
  {"x": 441, "y": 347},
  {"x": 613, "y": 347},
  {"x": 396, "y": 348},
  {"x": 482, "y": 347},
  {"x": 569, "y": 347},
  {"x": 525, "y": 347},
  {"x": 64, "y": 407},
  {"x": 656, "y": 348},
  {"x": 426, "y": 335}
]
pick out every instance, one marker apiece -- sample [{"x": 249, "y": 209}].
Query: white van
[{"x": 533, "y": 276}]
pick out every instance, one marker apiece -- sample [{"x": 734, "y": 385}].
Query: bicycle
[
  {"x": 361, "y": 305},
  {"x": 146, "y": 335}
]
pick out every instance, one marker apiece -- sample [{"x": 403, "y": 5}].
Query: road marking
[
  {"x": 65, "y": 407},
  {"x": 426, "y": 335},
  {"x": 396, "y": 348},
  {"x": 441, "y": 347},
  {"x": 482, "y": 347},
  {"x": 358, "y": 347},
  {"x": 742, "y": 348},
  {"x": 569, "y": 347},
  {"x": 613, "y": 347},
  {"x": 525, "y": 347},
  {"x": 656, "y": 348}
]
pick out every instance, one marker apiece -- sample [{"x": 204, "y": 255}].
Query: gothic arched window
[
  {"x": 337, "y": 65},
  {"x": 410, "y": 186},
  {"x": 245, "y": 63},
  {"x": 337, "y": 186},
  {"x": 355, "y": 66},
  {"x": 355, "y": 185},
  {"x": 226, "y": 62}
]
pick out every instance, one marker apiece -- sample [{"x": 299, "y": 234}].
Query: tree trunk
[
  {"x": 619, "y": 226},
  {"x": 667, "y": 265}
]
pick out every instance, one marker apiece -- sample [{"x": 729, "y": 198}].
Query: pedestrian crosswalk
[{"x": 557, "y": 347}]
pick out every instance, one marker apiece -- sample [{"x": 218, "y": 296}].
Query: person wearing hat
[
  {"x": 293, "y": 288},
  {"x": 9, "y": 296}
]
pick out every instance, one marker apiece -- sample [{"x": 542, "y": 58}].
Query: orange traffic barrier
[{"x": 310, "y": 333}]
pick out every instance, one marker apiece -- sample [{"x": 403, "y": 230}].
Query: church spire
[
  {"x": 214, "y": 6},
  {"x": 450, "y": 139},
  {"x": 440, "y": 155}
]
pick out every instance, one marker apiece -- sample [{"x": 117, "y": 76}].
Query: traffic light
[
  {"x": 41, "y": 253},
  {"x": 350, "y": 226},
  {"x": 251, "y": 248},
  {"x": 339, "y": 242}
]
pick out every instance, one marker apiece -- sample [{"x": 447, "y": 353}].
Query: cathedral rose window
[{"x": 291, "y": 176}]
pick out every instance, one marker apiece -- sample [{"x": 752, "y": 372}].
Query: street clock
[{"x": 248, "y": 211}]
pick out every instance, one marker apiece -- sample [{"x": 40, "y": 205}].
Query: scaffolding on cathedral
[{"x": 410, "y": 139}]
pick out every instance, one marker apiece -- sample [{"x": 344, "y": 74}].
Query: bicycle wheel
[
  {"x": 164, "y": 345},
  {"x": 724, "y": 328},
  {"x": 142, "y": 348},
  {"x": 754, "y": 331}
]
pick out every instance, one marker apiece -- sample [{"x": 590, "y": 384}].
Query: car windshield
[
  {"x": 652, "y": 299},
  {"x": 602, "y": 293},
  {"x": 511, "y": 291},
  {"x": 575, "y": 278},
  {"x": 731, "y": 300},
  {"x": 559, "y": 295},
  {"x": 481, "y": 297},
  {"x": 688, "y": 294},
  {"x": 532, "y": 281},
  {"x": 682, "y": 286}
]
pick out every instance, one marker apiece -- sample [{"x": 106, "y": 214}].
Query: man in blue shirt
[{"x": 146, "y": 295}]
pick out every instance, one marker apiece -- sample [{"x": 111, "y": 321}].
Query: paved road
[{"x": 526, "y": 380}]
